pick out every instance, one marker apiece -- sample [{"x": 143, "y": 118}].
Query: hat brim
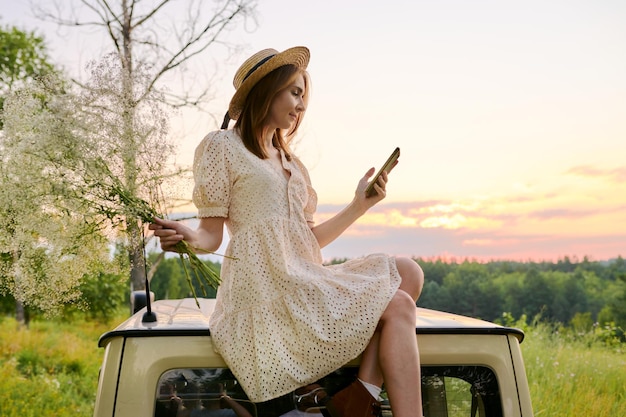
[{"x": 298, "y": 56}]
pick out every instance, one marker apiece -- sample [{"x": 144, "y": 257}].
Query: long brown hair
[{"x": 256, "y": 111}]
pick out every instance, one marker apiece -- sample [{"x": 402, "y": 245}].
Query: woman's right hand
[{"x": 170, "y": 232}]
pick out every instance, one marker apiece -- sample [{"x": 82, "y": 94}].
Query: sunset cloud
[
  {"x": 533, "y": 223},
  {"x": 613, "y": 175},
  {"x": 490, "y": 242}
]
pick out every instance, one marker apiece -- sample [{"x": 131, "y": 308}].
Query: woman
[{"x": 282, "y": 319}]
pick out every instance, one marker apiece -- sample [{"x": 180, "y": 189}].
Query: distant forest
[
  {"x": 580, "y": 293},
  {"x": 584, "y": 293},
  {"x": 577, "y": 294}
]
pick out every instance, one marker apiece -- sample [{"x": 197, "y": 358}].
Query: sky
[{"x": 510, "y": 116}]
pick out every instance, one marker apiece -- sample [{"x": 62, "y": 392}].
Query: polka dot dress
[{"x": 282, "y": 319}]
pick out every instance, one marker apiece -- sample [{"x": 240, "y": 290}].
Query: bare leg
[
  {"x": 369, "y": 370},
  {"x": 412, "y": 277},
  {"x": 412, "y": 283},
  {"x": 392, "y": 353},
  {"x": 399, "y": 357}
]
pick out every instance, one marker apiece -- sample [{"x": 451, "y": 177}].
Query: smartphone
[{"x": 387, "y": 167}]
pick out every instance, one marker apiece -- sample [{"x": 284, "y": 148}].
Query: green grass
[
  {"x": 51, "y": 369},
  {"x": 574, "y": 375}
]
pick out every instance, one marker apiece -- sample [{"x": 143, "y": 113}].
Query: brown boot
[{"x": 353, "y": 401}]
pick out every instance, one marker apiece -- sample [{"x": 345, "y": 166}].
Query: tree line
[
  {"x": 578, "y": 294},
  {"x": 566, "y": 292}
]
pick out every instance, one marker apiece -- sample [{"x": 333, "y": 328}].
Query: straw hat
[{"x": 257, "y": 67}]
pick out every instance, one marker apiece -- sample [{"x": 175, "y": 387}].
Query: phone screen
[{"x": 387, "y": 167}]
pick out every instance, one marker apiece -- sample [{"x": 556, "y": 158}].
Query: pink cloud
[
  {"x": 613, "y": 175},
  {"x": 540, "y": 227},
  {"x": 477, "y": 245}
]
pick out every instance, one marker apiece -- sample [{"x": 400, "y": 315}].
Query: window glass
[
  {"x": 210, "y": 392},
  {"x": 447, "y": 391},
  {"x": 455, "y": 391}
]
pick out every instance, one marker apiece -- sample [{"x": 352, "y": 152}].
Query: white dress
[{"x": 282, "y": 319}]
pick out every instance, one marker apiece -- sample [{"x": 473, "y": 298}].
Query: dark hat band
[{"x": 256, "y": 67}]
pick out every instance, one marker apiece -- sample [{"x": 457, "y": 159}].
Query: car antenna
[{"x": 149, "y": 316}]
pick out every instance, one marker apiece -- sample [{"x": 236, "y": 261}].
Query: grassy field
[
  {"x": 574, "y": 375},
  {"x": 51, "y": 369}
]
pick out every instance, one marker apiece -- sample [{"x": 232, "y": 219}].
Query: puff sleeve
[{"x": 212, "y": 176}]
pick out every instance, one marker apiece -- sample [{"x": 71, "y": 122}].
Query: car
[{"x": 160, "y": 362}]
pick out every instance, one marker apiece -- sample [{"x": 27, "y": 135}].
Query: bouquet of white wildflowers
[{"x": 121, "y": 201}]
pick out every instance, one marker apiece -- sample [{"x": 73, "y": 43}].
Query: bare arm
[
  {"x": 332, "y": 228},
  {"x": 206, "y": 238}
]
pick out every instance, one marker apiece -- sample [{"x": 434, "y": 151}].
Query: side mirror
[{"x": 138, "y": 300}]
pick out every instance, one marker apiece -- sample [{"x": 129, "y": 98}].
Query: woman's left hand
[{"x": 380, "y": 186}]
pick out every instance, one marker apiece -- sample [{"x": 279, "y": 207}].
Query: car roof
[{"x": 183, "y": 317}]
